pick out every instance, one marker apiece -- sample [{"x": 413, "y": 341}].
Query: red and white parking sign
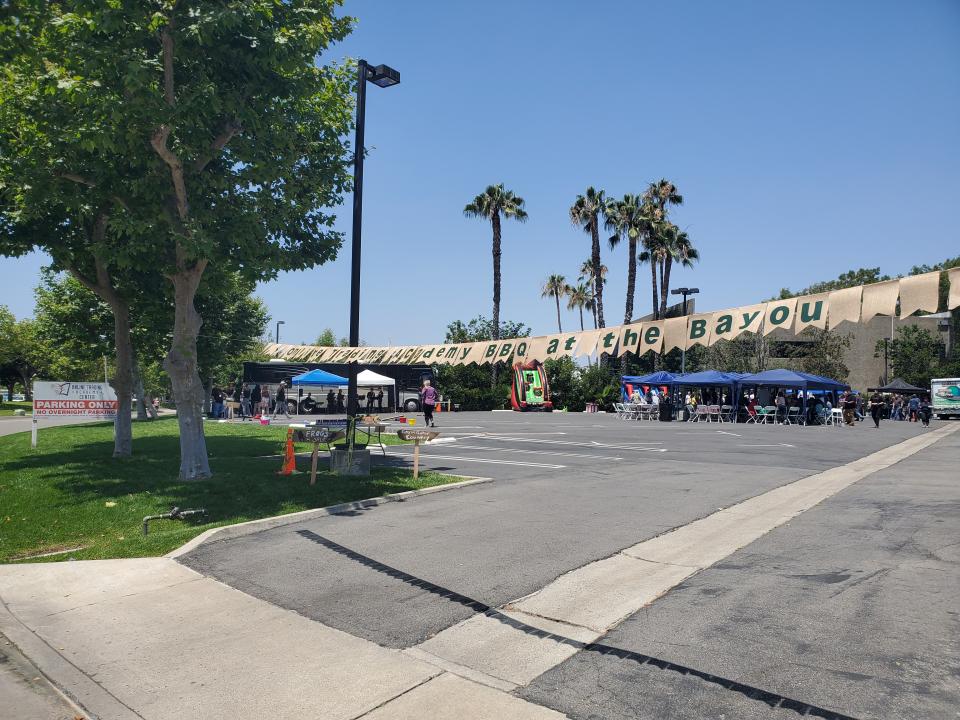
[{"x": 76, "y": 399}]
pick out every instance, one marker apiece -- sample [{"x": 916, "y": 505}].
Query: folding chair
[
  {"x": 793, "y": 416},
  {"x": 726, "y": 413}
]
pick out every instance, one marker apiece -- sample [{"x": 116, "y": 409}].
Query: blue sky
[{"x": 807, "y": 139}]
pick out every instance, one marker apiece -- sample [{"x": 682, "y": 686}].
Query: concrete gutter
[{"x": 228, "y": 532}]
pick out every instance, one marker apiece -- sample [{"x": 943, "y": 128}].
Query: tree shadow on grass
[{"x": 245, "y": 483}]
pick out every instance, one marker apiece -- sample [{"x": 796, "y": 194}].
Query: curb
[{"x": 251, "y": 527}]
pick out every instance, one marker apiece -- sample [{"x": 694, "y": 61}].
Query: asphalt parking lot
[{"x": 571, "y": 489}]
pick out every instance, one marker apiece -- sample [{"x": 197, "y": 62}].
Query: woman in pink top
[{"x": 428, "y": 399}]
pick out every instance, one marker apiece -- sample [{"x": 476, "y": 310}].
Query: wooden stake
[
  {"x": 416, "y": 459},
  {"x": 313, "y": 464}
]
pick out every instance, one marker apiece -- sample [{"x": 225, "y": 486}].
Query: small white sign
[{"x": 74, "y": 399}]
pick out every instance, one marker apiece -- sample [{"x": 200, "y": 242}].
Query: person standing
[
  {"x": 255, "y": 398},
  {"x": 280, "y": 402},
  {"x": 217, "y": 408},
  {"x": 428, "y": 399},
  {"x": 341, "y": 408},
  {"x": 331, "y": 402},
  {"x": 876, "y": 408},
  {"x": 245, "y": 407},
  {"x": 370, "y": 397},
  {"x": 379, "y": 399}
]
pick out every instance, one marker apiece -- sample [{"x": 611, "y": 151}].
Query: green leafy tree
[
  {"x": 825, "y": 355},
  {"x": 562, "y": 377},
  {"x": 585, "y": 213},
  {"x": 851, "y": 278},
  {"x": 204, "y": 133},
  {"x": 327, "y": 338},
  {"x": 469, "y": 385},
  {"x": 555, "y": 286},
  {"x": 915, "y": 354}
]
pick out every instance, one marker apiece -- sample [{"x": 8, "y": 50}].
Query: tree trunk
[
  {"x": 145, "y": 409},
  {"x": 122, "y": 383},
  {"x": 557, "y": 298},
  {"x": 653, "y": 285},
  {"x": 123, "y": 378},
  {"x": 631, "y": 280},
  {"x": 495, "y": 221},
  {"x": 181, "y": 365},
  {"x": 665, "y": 285},
  {"x": 24, "y": 374},
  {"x": 581, "y": 318},
  {"x": 597, "y": 277}
]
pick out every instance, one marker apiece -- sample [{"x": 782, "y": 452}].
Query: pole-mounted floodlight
[
  {"x": 381, "y": 76},
  {"x": 279, "y": 323},
  {"x": 685, "y": 291}
]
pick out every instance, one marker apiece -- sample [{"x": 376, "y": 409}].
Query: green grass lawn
[
  {"x": 7, "y": 408},
  {"x": 70, "y": 492}
]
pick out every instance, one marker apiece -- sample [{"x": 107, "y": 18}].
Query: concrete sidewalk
[{"x": 150, "y": 638}]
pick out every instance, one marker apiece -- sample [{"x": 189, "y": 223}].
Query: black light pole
[
  {"x": 382, "y": 76},
  {"x": 685, "y": 292},
  {"x": 279, "y": 323}
]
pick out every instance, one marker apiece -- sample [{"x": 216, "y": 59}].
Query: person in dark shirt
[
  {"x": 876, "y": 408},
  {"x": 341, "y": 408},
  {"x": 331, "y": 402},
  {"x": 370, "y": 396},
  {"x": 380, "y": 399},
  {"x": 281, "y": 401}
]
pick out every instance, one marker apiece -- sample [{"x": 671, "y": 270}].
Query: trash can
[{"x": 666, "y": 411}]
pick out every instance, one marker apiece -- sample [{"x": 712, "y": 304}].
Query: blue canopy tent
[
  {"x": 794, "y": 379},
  {"x": 715, "y": 378},
  {"x": 319, "y": 377},
  {"x": 658, "y": 379}
]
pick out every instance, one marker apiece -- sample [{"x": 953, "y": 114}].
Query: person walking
[
  {"x": 925, "y": 411},
  {"x": 914, "y": 407},
  {"x": 428, "y": 399},
  {"x": 876, "y": 408},
  {"x": 280, "y": 401},
  {"x": 848, "y": 402}
]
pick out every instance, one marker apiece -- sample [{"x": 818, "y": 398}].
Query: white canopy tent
[{"x": 368, "y": 378}]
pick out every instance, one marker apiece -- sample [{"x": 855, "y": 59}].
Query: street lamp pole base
[{"x": 344, "y": 462}]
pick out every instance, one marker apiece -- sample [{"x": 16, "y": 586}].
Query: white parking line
[
  {"x": 592, "y": 444},
  {"x": 536, "y": 452},
  {"x": 431, "y": 456}
]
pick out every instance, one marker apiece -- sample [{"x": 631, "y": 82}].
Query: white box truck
[{"x": 945, "y": 397}]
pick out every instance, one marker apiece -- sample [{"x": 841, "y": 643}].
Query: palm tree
[
  {"x": 555, "y": 286},
  {"x": 585, "y": 212},
  {"x": 659, "y": 196},
  {"x": 587, "y": 276},
  {"x": 626, "y": 219},
  {"x": 675, "y": 246},
  {"x": 579, "y": 297},
  {"x": 491, "y": 204}
]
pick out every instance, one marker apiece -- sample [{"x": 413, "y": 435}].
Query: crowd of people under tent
[
  {"x": 253, "y": 400},
  {"x": 818, "y": 407}
]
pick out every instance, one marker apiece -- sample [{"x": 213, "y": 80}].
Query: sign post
[
  {"x": 94, "y": 401},
  {"x": 316, "y": 435},
  {"x": 417, "y": 436}
]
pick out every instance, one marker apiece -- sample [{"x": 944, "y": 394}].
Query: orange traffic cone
[{"x": 289, "y": 459}]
